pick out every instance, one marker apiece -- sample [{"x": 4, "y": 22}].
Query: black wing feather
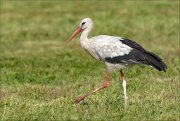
[
  {"x": 132, "y": 44},
  {"x": 138, "y": 55}
]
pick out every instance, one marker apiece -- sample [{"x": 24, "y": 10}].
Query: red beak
[{"x": 78, "y": 30}]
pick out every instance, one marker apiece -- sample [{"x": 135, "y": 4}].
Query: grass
[{"x": 41, "y": 75}]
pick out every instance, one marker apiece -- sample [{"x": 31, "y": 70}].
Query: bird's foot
[
  {"x": 125, "y": 97},
  {"x": 78, "y": 100}
]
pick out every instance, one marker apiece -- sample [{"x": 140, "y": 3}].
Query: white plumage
[
  {"x": 109, "y": 46},
  {"x": 103, "y": 46},
  {"x": 116, "y": 52}
]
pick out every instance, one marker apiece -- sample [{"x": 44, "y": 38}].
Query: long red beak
[{"x": 78, "y": 30}]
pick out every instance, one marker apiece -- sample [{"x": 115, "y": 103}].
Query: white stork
[{"x": 116, "y": 52}]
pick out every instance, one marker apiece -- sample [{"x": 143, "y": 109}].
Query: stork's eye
[{"x": 82, "y": 23}]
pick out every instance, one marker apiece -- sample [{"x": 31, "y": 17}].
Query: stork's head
[{"x": 84, "y": 24}]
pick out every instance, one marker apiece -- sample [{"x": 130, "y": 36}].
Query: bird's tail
[{"x": 155, "y": 61}]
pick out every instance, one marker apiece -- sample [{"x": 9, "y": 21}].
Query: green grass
[{"x": 41, "y": 75}]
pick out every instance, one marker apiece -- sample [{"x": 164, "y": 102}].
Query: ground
[{"x": 41, "y": 75}]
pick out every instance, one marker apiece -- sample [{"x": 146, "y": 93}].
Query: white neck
[{"x": 85, "y": 33}]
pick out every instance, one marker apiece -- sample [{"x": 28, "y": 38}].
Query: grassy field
[{"x": 41, "y": 75}]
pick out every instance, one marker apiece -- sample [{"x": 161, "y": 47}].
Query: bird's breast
[{"x": 89, "y": 48}]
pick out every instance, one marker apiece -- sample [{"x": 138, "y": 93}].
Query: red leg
[{"x": 105, "y": 85}]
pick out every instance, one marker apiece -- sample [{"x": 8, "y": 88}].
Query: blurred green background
[{"x": 41, "y": 75}]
